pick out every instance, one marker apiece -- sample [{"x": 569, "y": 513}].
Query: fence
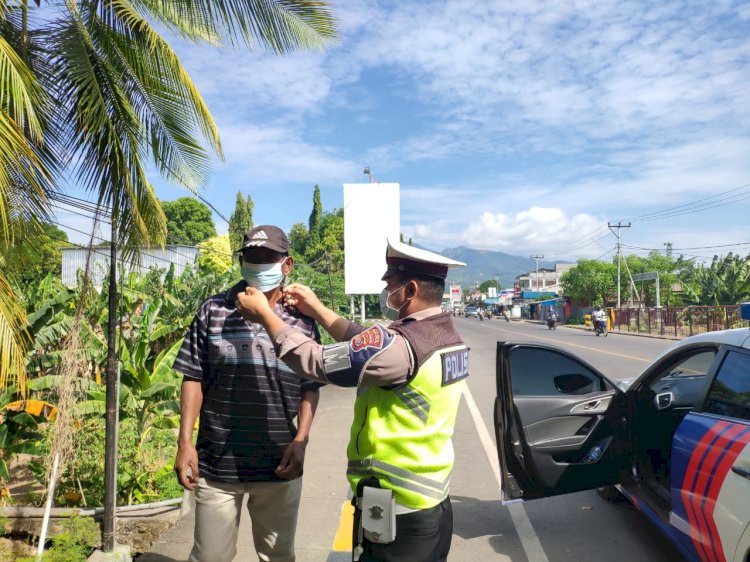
[{"x": 679, "y": 322}]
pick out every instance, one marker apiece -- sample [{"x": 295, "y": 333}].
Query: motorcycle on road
[{"x": 600, "y": 327}]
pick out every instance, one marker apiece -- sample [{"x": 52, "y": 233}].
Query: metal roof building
[{"x": 74, "y": 259}]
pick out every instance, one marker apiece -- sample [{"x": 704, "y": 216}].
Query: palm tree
[{"x": 95, "y": 94}]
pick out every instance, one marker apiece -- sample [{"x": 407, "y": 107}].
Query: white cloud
[{"x": 528, "y": 230}]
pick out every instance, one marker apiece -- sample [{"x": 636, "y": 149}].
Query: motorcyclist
[
  {"x": 599, "y": 318},
  {"x": 551, "y": 318}
]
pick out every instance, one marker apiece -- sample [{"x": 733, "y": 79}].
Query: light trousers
[{"x": 273, "y": 508}]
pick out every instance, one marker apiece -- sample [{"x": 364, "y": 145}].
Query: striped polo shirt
[{"x": 250, "y": 398}]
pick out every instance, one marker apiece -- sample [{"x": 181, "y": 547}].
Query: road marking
[
  {"x": 343, "y": 540},
  {"x": 561, "y": 344},
  {"x": 529, "y": 539}
]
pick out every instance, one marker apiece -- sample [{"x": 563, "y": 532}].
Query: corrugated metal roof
[{"x": 74, "y": 259}]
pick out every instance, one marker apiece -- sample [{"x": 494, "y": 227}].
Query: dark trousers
[{"x": 421, "y": 536}]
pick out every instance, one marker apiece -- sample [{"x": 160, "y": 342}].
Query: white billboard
[{"x": 371, "y": 215}]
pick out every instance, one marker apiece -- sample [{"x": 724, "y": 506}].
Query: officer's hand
[
  {"x": 186, "y": 466},
  {"x": 252, "y": 304},
  {"x": 292, "y": 460},
  {"x": 302, "y": 298}
]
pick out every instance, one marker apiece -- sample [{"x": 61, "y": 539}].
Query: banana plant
[{"x": 19, "y": 430}]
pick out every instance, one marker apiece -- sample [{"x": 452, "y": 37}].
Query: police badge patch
[{"x": 343, "y": 363}]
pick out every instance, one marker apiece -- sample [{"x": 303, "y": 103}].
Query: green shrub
[{"x": 75, "y": 542}]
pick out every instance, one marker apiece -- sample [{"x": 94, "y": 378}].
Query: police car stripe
[
  {"x": 720, "y": 474},
  {"x": 688, "y": 484},
  {"x": 701, "y": 496},
  {"x": 713, "y": 476}
]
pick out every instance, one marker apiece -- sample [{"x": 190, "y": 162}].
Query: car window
[
  {"x": 685, "y": 378},
  {"x": 730, "y": 391},
  {"x": 542, "y": 372},
  {"x": 695, "y": 365}
]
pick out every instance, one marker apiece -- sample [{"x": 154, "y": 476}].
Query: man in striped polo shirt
[{"x": 255, "y": 413}]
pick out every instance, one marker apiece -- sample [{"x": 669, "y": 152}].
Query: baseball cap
[
  {"x": 402, "y": 258},
  {"x": 266, "y": 236}
]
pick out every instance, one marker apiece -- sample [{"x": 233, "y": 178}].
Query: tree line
[{"x": 682, "y": 281}]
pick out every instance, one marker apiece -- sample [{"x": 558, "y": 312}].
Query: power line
[
  {"x": 711, "y": 202},
  {"x": 693, "y": 248},
  {"x": 214, "y": 209}
]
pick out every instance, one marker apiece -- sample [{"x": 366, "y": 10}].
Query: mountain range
[{"x": 483, "y": 265}]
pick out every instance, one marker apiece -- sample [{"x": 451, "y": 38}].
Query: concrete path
[{"x": 324, "y": 492}]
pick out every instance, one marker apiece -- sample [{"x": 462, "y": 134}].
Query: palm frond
[
  {"x": 13, "y": 339},
  {"x": 24, "y": 181},
  {"x": 164, "y": 97},
  {"x": 279, "y": 25},
  {"x": 20, "y": 94}
]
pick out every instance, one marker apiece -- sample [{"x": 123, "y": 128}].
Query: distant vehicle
[
  {"x": 674, "y": 441},
  {"x": 471, "y": 311}
]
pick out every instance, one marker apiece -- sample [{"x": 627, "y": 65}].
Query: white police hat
[{"x": 402, "y": 258}]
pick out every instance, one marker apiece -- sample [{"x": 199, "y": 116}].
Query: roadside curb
[{"x": 586, "y": 328}]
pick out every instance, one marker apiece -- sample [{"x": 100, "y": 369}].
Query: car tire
[{"x": 610, "y": 493}]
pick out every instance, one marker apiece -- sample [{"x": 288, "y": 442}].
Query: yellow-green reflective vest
[{"x": 402, "y": 437}]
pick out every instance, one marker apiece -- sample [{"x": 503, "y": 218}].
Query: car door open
[{"x": 560, "y": 425}]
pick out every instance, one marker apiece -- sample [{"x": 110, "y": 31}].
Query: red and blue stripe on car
[{"x": 703, "y": 453}]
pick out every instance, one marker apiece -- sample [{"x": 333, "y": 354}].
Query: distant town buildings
[{"x": 545, "y": 280}]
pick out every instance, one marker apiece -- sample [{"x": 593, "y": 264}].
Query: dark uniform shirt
[{"x": 250, "y": 398}]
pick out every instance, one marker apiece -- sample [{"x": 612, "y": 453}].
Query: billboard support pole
[
  {"x": 351, "y": 307},
  {"x": 362, "y": 310}
]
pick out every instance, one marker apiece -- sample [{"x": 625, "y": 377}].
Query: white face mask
[
  {"x": 385, "y": 307},
  {"x": 263, "y": 276}
]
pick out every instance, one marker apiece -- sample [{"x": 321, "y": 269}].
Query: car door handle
[
  {"x": 595, "y": 406},
  {"x": 741, "y": 471}
]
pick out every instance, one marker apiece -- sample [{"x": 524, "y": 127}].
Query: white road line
[{"x": 529, "y": 540}]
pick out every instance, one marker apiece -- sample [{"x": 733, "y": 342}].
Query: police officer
[{"x": 410, "y": 377}]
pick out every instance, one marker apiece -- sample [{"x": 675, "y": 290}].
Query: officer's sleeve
[{"x": 375, "y": 356}]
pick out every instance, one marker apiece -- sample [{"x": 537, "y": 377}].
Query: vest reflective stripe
[
  {"x": 414, "y": 402},
  {"x": 397, "y": 483},
  {"x": 402, "y": 436},
  {"x": 375, "y": 467}
]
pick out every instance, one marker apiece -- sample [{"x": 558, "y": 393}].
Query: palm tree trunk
[{"x": 110, "y": 441}]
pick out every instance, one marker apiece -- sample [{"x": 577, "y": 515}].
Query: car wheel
[{"x": 610, "y": 493}]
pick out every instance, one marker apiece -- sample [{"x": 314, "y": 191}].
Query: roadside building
[
  {"x": 74, "y": 259},
  {"x": 544, "y": 280}
]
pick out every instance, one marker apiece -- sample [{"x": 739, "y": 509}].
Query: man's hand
[
  {"x": 302, "y": 298},
  {"x": 186, "y": 466},
  {"x": 292, "y": 460},
  {"x": 252, "y": 304}
]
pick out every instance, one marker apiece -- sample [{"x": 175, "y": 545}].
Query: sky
[{"x": 523, "y": 127}]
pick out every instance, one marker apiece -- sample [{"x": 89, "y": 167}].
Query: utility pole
[
  {"x": 497, "y": 281},
  {"x": 618, "y": 226},
  {"x": 537, "y": 258}
]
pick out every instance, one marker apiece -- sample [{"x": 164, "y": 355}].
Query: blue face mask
[{"x": 263, "y": 276}]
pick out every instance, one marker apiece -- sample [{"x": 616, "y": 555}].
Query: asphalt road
[{"x": 581, "y": 526}]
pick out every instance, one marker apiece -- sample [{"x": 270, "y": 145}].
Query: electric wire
[{"x": 706, "y": 203}]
